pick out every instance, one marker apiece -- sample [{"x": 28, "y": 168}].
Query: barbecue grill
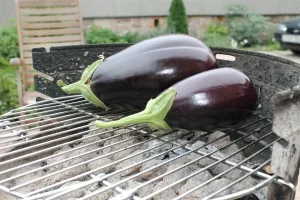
[{"x": 52, "y": 150}]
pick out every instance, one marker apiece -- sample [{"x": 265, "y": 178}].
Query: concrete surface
[{"x": 285, "y": 54}]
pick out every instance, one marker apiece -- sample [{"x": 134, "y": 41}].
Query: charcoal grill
[{"x": 52, "y": 150}]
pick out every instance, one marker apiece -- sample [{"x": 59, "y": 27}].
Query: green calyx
[
  {"x": 82, "y": 86},
  {"x": 154, "y": 114}
]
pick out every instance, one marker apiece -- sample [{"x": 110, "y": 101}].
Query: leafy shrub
[
  {"x": 217, "y": 28},
  {"x": 8, "y": 49},
  {"x": 131, "y": 37},
  {"x": 9, "y": 42},
  {"x": 97, "y": 35},
  {"x": 154, "y": 33},
  {"x": 217, "y": 35},
  {"x": 177, "y": 19},
  {"x": 8, "y": 87},
  {"x": 217, "y": 40},
  {"x": 248, "y": 29}
]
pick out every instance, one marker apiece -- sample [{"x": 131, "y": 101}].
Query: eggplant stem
[
  {"x": 82, "y": 87},
  {"x": 154, "y": 114}
]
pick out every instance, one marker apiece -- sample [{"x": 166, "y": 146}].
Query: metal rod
[
  {"x": 14, "y": 193},
  {"x": 34, "y": 114},
  {"x": 38, "y": 122},
  {"x": 46, "y": 131},
  {"x": 61, "y": 145},
  {"x": 143, "y": 161},
  {"x": 55, "y": 104},
  {"x": 247, "y": 169},
  {"x": 215, "y": 177},
  {"x": 61, "y": 153},
  {"x": 53, "y": 147},
  {"x": 33, "y": 106},
  {"x": 85, "y": 162},
  {"x": 39, "y": 112},
  {"x": 40, "y": 117},
  {"x": 247, "y": 191},
  {"x": 41, "y": 132},
  {"x": 115, "y": 162},
  {"x": 236, "y": 181},
  {"x": 193, "y": 174},
  {"x": 161, "y": 176}
]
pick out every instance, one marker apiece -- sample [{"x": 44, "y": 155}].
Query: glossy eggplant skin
[
  {"x": 137, "y": 78},
  {"x": 212, "y": 99},
  {"x": 164, "y": 41}
]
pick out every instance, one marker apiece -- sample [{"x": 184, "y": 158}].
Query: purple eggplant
[
  {"x": 140, "y": 77},
  {"x": 164, "y": 41},
  {"x": 215, "y": 98},
  {"x": 143, "y": 70}
]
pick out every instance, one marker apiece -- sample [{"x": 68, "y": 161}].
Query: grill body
[{"x": 51, "y": 150}]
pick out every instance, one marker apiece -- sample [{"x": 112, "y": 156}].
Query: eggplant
[
  {"x": 141, "y": 77},
  {"x": 142, "y": 71},
  {"x": 164, "y": 41},
  {"x": 215, "y": 98}
]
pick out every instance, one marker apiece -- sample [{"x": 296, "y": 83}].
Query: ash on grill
[{"x": 72, "y": 159}]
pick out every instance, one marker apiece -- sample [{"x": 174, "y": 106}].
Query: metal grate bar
[
  {"x": 247, "y": 169},
  {"x": 48, "y": 149},
  {"x": 95, "y": 170},
  {"x": 34, "y": 114},
  {"x": 47, "y": 107},
  {"x": 55, "y": 155},
  {"x": 36, "y": 118},
  {"x": 143, "y": 161},
  {"x": 14, "y": 193},
  {"x": 37, "y": 105},
  {"x": 38, "y": 122},
  {"x": 246, "y": 191},
  {"x": 152, "y": 167},
  {"x": 70, "y": 158},
  {"x": 49, "y": 130},
  {"x": 161, "y": 176},
  {"x": 238, "y": 180},
  {"x": 83, "y": 163},
  {"x": 62, "y": 108},
  {"x": 219, "y": 175}
]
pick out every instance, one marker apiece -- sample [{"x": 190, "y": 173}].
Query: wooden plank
[
  {"x": 45, "y": 32},
  {"x": 65, "y": 24},
  {"x": 29, "y": 82},
  {"x": 50, "y": 18},
  {"x": 29, "y": 68},
  {"x": 27, "y": 61},
  {"x": 42, "y": 3},
  {"x": 47, "y": 46},
  {"x": 27, "y": 54},
  {"x": 51, "y": 39},
  {"x": 48, "y": 11}
]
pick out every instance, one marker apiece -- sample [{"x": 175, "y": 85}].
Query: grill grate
[{"x": 51, "y": 150}]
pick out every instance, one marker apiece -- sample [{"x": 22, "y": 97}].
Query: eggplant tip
[{"x": 60, "y": 83}]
